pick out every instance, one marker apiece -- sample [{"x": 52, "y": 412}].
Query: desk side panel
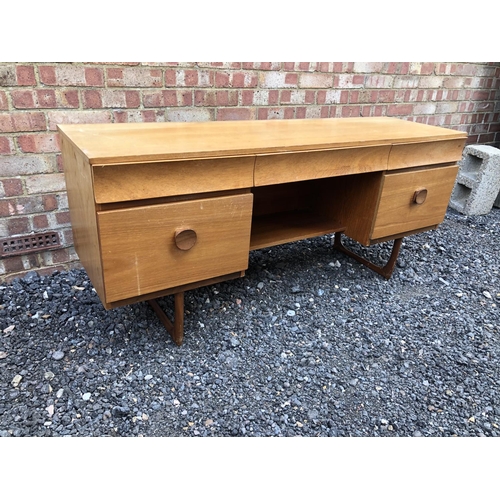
[{"x": 78, "y": 176}]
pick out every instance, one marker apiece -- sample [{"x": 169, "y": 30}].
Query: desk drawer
[
  {"x": 292, "y": 167},
  {"x": 152, "y": 248},
  {"x": 425, "y": 153},
  {"x": 413, "y": 200},
  {"x": 114, "y": 183}
]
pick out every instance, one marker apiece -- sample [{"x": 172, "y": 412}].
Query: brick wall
[{"x": 34, "y": 98}]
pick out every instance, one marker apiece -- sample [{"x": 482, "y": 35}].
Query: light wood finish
[
  {"x": 105, "y": 144},
  {"x": 398, "y": 212},
  {"x": 114, "y": 183},
  {"x": 162, "y": 208},
  {"x": 430, "y": 153},
  {"x": 78, "y": 177},
  {"x": 277, "y": 169},
  {"x": 140, "y": 256}
]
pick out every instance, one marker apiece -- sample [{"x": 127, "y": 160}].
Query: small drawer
[
  {"x": 156, "y": 247},
  {"x": 413, "y": 200},
  {"x": 426, "y": 153},
  {"x": 127, "y": 182},
  {"x": 292, "y": 167}
]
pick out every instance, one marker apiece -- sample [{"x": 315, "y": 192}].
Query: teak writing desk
[{"x": 161, "y": 208}]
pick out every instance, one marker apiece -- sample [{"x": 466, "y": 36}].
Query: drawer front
[
  {"x": 413, "y": 200},
  {"x": 114, "y": 183},
  {"x": 292, "y": 167},
  {"x": 426, "y": 153},
  {"x": 156, "y": 247}
]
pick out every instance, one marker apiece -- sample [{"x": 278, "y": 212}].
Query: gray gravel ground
[{"x": 308, "y": 343}]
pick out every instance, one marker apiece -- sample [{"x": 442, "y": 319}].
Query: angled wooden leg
[
  {"x": 385, "y": 271},
  {"x": 176, "y": 329}
]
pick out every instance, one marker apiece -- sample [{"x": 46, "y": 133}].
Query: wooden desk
[{"x": 161, "y": 208}]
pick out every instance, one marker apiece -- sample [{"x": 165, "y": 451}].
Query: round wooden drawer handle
[
  {"x": 185, "y": 239},
  {"x": 419, "y": 196}
]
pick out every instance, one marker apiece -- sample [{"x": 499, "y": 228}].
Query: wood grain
[
  {"x": 140, "y": 256},
  {"x": 105, "y": 144},
  {"x": 293, "y": 167},
  {"x": 431, "y": 153},
  {"x": 142, "y": 181},
  {"x": 397, "y": 212},
  {"x": 83, "y": 214}
]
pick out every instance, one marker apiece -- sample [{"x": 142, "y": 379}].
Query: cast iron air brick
[{"x": 20, "y": 245}]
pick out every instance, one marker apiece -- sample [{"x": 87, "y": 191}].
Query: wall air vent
[{"x": 20, "y": 245}]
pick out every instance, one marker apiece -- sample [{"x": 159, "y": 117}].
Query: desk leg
[
  {"x": 385, "y": 271},
  {"x": 176, "y": 329}
]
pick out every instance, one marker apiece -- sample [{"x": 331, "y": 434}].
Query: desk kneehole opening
[{"x": 185, "y": 239}]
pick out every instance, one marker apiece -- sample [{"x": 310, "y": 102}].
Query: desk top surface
[{"x": 147, "y": 142}]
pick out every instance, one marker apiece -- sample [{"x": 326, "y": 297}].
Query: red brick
[
  {"x": 3, "y": 100},
  {"x": 69, "y": 99},
  {"x": 18, "y": 225},
  {"x": 23, "y": 99},
  {"x": 45, "y": 99},
  {"x": 5, "y": 146},
  {"x": 22, "y": 122},
  {"x": 400, "y": 109},
  {"x": 92, "y": 99},
  {"x": 168, "y": 98},
  {"x": 94, "y": 77},
  {"x": 291, "y": 79},
  {"x": 351, "y": 111},
  {"x": 132, "y": 98},
  {"x": 25, "y": 75},
  {"x": 13, "y": 264},
  {"x": 49, "y": 202},
  {"x": 40, "y": 222},
  {"x": 480, "y": 95},
  {"x": 12, "y": 187},
  {"x": 47, "y": 75},
  {"x": 68, "y": 236},
  {"x": 62, "y": 217},
  {"x": 285, "y": 97},
  {"x": 61, "y": 255},
  {"x": 170, "y": 78},
  {"x": 300, "y": 113},
  {"x": 226, "y": 98},
  {"x": 222, "y": 79},
  {"x": 236, "y": 114},
  {"x": 39, "y": 143},
  {"x": 6, "y": 208},
  {"x": 289, "y": 66}
]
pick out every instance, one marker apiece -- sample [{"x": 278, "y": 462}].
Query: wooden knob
[
  {"x": 185, "y": 239},
  {"x": 419, "y": 196}
]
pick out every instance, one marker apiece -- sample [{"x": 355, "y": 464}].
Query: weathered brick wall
[{"x": 34, "y": 98}]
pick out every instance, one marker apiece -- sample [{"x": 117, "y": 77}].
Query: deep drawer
[
  {"x": 157, "y": 247},
  {"x": 413, "y": 200},
  {"x": 114, "y": 183}
]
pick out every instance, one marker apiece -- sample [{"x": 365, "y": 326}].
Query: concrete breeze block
[{"x": 477, "y": 186}]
